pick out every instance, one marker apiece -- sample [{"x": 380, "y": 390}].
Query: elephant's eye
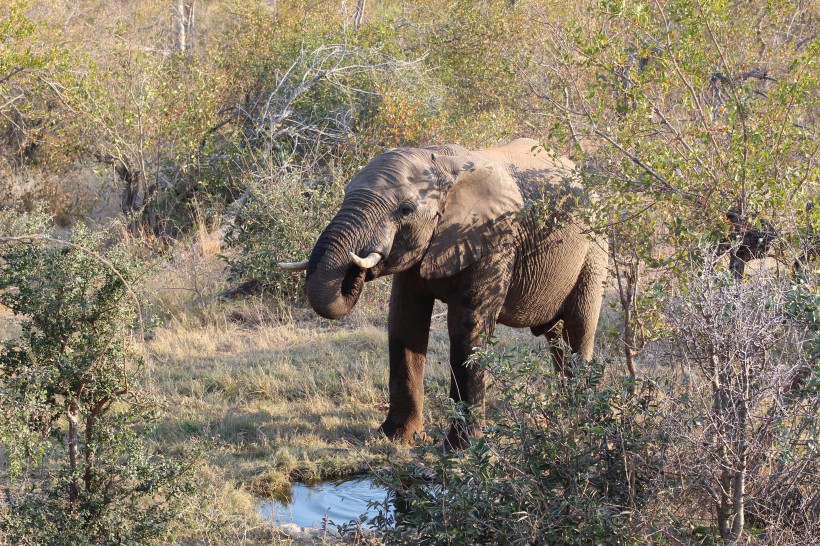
[{"x": 406, "y": 209}]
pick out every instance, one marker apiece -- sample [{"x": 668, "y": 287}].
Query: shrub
[
  {"x": 281, "y": 222},
  {"x": 308, "y": 123},
  {"x": 722, "y": 449},
  {"x": 745, "y": 421},
  {"x": 565, "y": 461},
  {"x": 480, "y": 52},
  {"x": 74, "y": 417}
]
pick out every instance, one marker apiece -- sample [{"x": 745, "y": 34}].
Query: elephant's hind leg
[
  {"x": 583, "y": 308},
  {"x": 555, "y": 334}
]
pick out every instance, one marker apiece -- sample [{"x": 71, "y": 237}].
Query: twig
[
  {"x": 665, "y": 183},
  {"x": 685, "y": 144},
  {"x": 624, "y": 220},
  {"x": 11, "y": 101},
  {"x": 11, "y": 74}
]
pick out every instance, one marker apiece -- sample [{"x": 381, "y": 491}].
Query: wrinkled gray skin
[{"x": 450, "y": 226}]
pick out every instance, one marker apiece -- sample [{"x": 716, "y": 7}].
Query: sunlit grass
[
  {"x": 286, "y": 400},
  {"x": 275, "y": 402}
]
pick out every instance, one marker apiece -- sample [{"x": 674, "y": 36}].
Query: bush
[
  {"x": 281, "y": 222},
  {"x": 721, "y": 449},
  {"x": 481, "y": 52},
  {"x": 74, "y": 417},
  {"x": 313, "y": 117},
  {"x": 566, "y": 461},
  {"x": 745, "y": 421}
]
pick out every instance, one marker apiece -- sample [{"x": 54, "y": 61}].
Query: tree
[
  {"x": 756, "y": 403},
  {"x": 184, "y": 23},
  {"x": 688, "y": 113},
  {"x": 73, "y": 413}
]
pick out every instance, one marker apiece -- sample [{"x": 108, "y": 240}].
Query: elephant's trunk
[{"x": 334, "y": 282}]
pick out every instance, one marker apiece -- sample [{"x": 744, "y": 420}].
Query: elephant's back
[{"x": 542, "y": 176}]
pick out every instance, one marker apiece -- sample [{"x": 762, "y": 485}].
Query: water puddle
[{"x": 331, "y": 504}]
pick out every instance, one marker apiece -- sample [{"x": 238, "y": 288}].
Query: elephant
[
  {"x": 746, "y": 241},
  {"x": 754, "y": 240},
  {"x": 467, "y": 228}
]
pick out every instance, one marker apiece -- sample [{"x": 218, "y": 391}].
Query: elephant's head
[{"x": 409, "y": 207}]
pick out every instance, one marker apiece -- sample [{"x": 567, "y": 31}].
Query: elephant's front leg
[
  {"x": 471, "y": 318},
  {"x": 408, "y": 334}
]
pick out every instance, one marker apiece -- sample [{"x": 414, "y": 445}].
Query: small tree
[
  {"x": 749, "y": 416},
  {"x": 73, "y": 414},
  {"x": 684, "y": 111}
]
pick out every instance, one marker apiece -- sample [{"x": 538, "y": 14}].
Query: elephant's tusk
[
  {"x": 366, "y": 263},
  {"x": 294, "y": 266}
]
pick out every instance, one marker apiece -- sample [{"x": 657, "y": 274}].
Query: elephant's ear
[{"x": 480, "y": 210}]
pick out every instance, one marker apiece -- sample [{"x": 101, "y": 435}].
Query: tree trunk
[
  {"x": 184, "y": 23},
  {"x": 90, "y": 454},
  {"x": 627, "y": 274},
  {"x": 358, "y": 18},
  {"x": 731, "y": 411},
  {"x": 720, "y": 412},
  {"x": 73, "y": 416},
  {"x": 741, "y": 449}
]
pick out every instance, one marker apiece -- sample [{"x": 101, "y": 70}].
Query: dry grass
[
  {"x": 273, "y": 397},
  {"x": 81, "y": 193},
  {"x": 269, "y": 401},
  {"x": 297, "y": 398}
]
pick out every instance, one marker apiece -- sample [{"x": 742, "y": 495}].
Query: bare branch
[
  {"x": 11, "y": 74},
  {"x": 11, "y": 101}
]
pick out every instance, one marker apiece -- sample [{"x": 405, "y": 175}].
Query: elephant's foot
[
  {"x": 404, "y": 432},
  {"x": 459, "y": 435}
]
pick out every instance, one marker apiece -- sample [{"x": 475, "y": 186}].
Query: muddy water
[{"x": 334, "y": 502}]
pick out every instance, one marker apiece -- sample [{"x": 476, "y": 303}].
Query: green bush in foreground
[
  {"x": 72, "y": 415},
  {"x": 567, "y": 461}
]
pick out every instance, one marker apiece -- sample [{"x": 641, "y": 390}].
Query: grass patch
[
  {"x": 275, "y": 402},
  {"x": 278, "y": 401}
]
